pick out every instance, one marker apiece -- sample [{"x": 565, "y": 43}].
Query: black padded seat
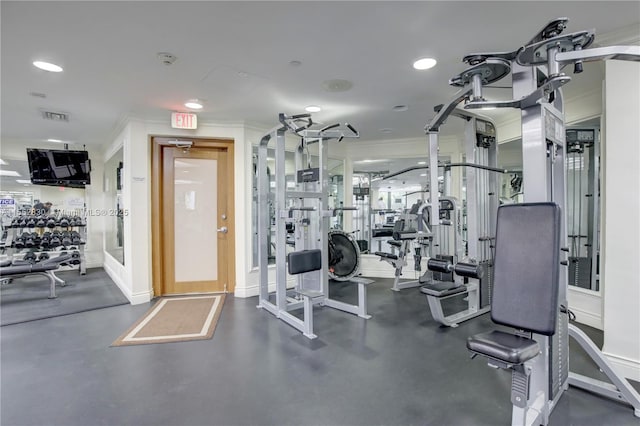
[
  {"x": 442, "y": 288},
  {"x": 386, "y": 255},
  {"x": 381, "y": 232},
  {"x": 505, "y": 347},
  {"x": 394, "y": 243}
]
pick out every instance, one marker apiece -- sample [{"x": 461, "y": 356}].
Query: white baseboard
[
  {"x": 116, "y": 276},
  {"x": 254, "y": 290},
  {"x": 629, "y": 368},
  {"x": 587, "y": 318}
]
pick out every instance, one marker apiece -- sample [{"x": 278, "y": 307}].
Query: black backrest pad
[
  {"x": 299, "y": 262},
  {"x": 527, "y": 265}
]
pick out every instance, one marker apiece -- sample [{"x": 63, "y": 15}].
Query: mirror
[
  {"x": 335, "y": 195},
  {"x": 583, "y": 203},
  {"x": 380, "y": 201},
  {"x": 582, "y": 162},
  {"x": 114, "y": 225}
]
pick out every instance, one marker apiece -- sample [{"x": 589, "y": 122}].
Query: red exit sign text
[{"x": 184, "y": 120}]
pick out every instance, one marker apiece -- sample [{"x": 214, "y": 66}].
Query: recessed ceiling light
[
  {"x": 9, "y": 173},
  {"x": 367, "y": 161},
  {"x": 2, "y": 162},
  {"x": 313, "y": 108},
  {"x": 424, "y": 63},
  {"x": 23, "y": 181},
  {"x": 423, "y": 175},
  {"x": 47, "y": 66},
  {"x": 400, "y": 108},
  {"x": 386, "y": 130},
  {"x": 54, "y": 140},
  {"x": 421, "y": 163},
  {"x": 195, "y": 104}
]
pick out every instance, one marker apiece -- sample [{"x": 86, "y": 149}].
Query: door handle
[{"x": 224, "y": 230}]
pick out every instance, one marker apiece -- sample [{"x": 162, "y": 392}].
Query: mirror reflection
[
  {"x": 335, "y": 169},
  {"x": 114, "y": 226}
]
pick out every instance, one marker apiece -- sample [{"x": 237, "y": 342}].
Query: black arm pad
[
  {"x": 439, "y": 265},
  {"x": 469, "y": 270},
  {"x": 299, "y": 262},
  {"x": 404, "y": 235}
]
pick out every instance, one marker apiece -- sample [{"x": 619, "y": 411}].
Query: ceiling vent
[{"x": 55, "y": 115}]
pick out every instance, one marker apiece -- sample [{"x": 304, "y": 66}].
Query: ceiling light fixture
[
  {"x": 9, "y": 173},
  {"x": 23, "y": 181},
  {"x": 193, "y": 104},
  {"x": 313, "y": 108},
  {"x": 422, "y": 163},
  {"x": 424, "y": 63},
  {"x": 423, "y": 174},
  {"x": 400, "y": 108},
  {"x": 54, "y": 140},
  {"x": 47, "y": 66}
]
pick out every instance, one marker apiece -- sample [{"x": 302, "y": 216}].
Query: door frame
[{"x": 157, "y": 240}]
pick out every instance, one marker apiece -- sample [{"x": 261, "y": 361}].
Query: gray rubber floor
[
  {"x": 398, "y": 368},
  {"x": 26, "y": 299}
]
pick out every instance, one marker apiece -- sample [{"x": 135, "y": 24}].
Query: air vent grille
[{"x": 55, "y": 116}]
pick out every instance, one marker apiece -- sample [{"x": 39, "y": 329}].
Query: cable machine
[
  {"x": 538, "y": 353},
  {"x": 317, "y": 254},
  {"x": 583, "y": 202}
]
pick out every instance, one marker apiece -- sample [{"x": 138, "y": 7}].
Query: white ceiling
[{"x": 236, "y": 55}]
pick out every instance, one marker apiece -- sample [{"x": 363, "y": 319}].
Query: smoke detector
[
  {"x": 167, "y": 58},
  {"x": 337, "y": 85}
]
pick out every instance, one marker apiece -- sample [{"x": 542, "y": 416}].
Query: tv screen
[{"x": 59, "y": 167}]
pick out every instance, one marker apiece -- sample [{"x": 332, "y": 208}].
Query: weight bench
[
  {"x": 44, "y": 268},
  {"x": 526, "y": 297}
]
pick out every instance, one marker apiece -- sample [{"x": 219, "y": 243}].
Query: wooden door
[{"x": 195, "y": 223}]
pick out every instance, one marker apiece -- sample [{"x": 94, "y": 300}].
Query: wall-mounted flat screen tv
[{"x": 59, "y": 167}]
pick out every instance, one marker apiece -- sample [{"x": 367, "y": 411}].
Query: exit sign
[{"x": 184, "y": 120}]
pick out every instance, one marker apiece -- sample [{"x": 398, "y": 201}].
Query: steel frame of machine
[
  {"x": 306, "y": 207},
  {"x": 537, "y": 81}
]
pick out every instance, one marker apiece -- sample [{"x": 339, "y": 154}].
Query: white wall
[
  {"x": 135, "y": 278},
  {"x": 621, "y": 217}
]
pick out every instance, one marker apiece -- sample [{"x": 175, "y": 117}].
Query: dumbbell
[
  {"x": 65, "y": 238},
  {"x": 75, "y": 258},
  {"x": 470, "y": 270},
  {"x": 41, "y": 222},
  {"x": 15, "y": 222},
  {"x": 45, "y": 240},
  {"x": 51, "y": 222},
  {"x": 75, "y": 238},
  {"x": 32, "y": 240},
  {"x": 43, "y": 256},
  {"x": 30, "y": 257},
  {"x": 31, "y": 222},
  {"x": 64, "y": 222},
  {"x": 22, "y": 223},
  {"x": 55, "y": 239},
  {"x": 21, "y": 240}
]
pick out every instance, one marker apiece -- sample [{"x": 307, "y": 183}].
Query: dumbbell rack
[{"x": 37, "y": 249}]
